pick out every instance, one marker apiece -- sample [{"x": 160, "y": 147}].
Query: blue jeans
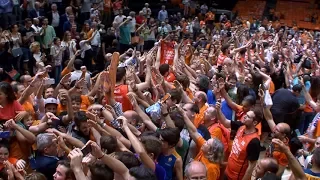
[
  {"x": 305, "y": 120},
  {"x": 57, "y": 73}
]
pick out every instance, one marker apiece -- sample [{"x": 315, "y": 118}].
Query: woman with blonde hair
[{"x": 37, "y": 58}]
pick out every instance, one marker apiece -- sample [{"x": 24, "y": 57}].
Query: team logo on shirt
[{"x": 170, "y": 159}]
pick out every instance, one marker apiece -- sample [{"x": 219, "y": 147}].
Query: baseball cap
[{"x": 50, "y": 101}]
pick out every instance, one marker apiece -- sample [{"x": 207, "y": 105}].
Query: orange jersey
[
  {"x": 120, "y": 95},
  {"x": 199, "y": 117},
  {"x": 237, "y": 162}
]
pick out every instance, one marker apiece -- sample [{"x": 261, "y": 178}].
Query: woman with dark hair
[
  {"x": 5, "y": 156},
  {"x": 10, "y": 107}
]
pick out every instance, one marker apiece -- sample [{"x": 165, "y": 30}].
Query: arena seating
[
  {"x": 297, "y": 12},
  {"x": 249, "y": 9}
]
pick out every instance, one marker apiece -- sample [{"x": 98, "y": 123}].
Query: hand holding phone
[{"x": 86, "y": 149}]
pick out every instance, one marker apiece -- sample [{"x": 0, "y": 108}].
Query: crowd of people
[{"x": 102, "y": 92}]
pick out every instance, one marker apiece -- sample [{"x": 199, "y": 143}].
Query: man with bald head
[
  {"x": 266, "y": 165},
  {"x": 132, "y": 117},
  {"x": 195, "y": 170},
  {"x": 200, "y": 99},
  {"x": 25, "y": 80}
]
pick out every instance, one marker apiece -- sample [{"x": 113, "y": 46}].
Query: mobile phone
[
  {"x": 4, "y": 134},
  {"x": 165, "y": 97},
  {"x": 86, "y": 150},
  {"x": 49, "y": 81},
  {"x": 297, "y": 132}
]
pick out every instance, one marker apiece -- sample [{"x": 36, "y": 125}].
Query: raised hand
[
  {"x": 123, "y": 121},
  {"x": 96, "y": 150},
  {"x": 75, "y": 157},
  {"x": 10, "y": 124},
  {"x": 21, "y": 115},
  {"x": 132, "y": 99}
]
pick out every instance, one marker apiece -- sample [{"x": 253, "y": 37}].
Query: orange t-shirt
[
  {"x": 13, "y": 161},
  {"x": 27, "y": 106},
  {"x": 215, "y": 132},
  {"x": 237, "y": 161},
  {"x": 198, "y": 119},
  {"x": 271, "y": 88},
  {"x": 85, "y": 103},
  {"x": 213, "y": 169},
  {"x": 120, "y": 95},
  {"x": 278, "y": 155},
  {"x": 170, "y": 78}
]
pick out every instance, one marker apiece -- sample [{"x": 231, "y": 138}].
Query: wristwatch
[
  {"x": 103, "y": 108},
  {"x": 165, "y": 114}
]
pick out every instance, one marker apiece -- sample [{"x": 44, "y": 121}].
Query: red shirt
[
  {"x": 140, "y": 19},
  {"x": 10, "y": 110},
  {"x": 120, "y": 95}
]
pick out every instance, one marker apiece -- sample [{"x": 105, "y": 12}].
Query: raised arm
[
  {"x": 21, "y": 133},
  {"x": 223, "y": 120},
  {"x": 294, "y": 165},
  {"x": 190, "y": 126},
  {"x": 145, "y": 118},
  {"x": 224, "y": 93},
  {"x": 113, "y": 163},
  {"x": 308, "y": 97},
  {"x": 138, "y": 147}
]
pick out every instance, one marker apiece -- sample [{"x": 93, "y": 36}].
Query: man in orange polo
[
  {"x": 245, "y": 149},
  {"x": 200, "y": 99}
]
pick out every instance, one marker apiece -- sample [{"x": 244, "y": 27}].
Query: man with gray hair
[
  {"x": 46, "y": 158},
  {"x": 196, "y": 170}
]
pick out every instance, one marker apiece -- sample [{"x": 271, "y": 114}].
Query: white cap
[{"x": 50, "y": 101}]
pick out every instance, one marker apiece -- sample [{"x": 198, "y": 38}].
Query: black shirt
[
  {"x": 26, "y": 32},
  {"x": 284, "y": 102}
]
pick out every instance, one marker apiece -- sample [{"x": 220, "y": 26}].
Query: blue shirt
[
  {"x": 162, "y": 15},
  {"x": 308, "y": 171},
  {"x": 168, "y": 162},
  {"x": 125, "y": 36}
]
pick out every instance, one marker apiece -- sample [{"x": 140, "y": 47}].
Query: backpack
[{"x": 225, "y": 135}]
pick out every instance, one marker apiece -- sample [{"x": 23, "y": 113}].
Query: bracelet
[{"x": 101, "y": 156}]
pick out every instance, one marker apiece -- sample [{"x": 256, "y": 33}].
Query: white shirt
[
  {"x": 84, "y": 46},
  {"x": 96, "y": 40},
  {"x": 118, "y": 19},
  {"x": 72, "y": 44},
  {"x": 146, "y": 12},
  {"x": 37, "y": 29},
  {"x": 76, "y": 75},
  {"x": 163, "y": 30},
  {"x": 132, "y": 25},
  {"x": 55, "y": 19}
]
